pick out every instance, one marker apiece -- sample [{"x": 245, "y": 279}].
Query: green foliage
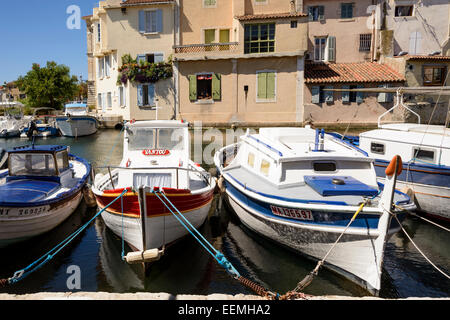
[
  {"x": 143, "y": 72},
  {"x": 49, "y": 86}
]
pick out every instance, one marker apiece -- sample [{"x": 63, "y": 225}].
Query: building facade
[
  {"x": 240, "y": 61},
  {"x": 143, "y": 31}
]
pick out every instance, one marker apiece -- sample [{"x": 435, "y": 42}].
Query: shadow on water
[{"x": 51, "y": 277}]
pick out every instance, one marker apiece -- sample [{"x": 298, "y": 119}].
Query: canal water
[{"x": 188, "y": 269}]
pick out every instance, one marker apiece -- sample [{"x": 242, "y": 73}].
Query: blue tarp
[
  {"x": 324, "y": 185},
  {"x": 26, "y": 190}
]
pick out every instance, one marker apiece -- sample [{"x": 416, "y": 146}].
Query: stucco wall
[
  {"x": 346, "y": 31},
  {"x": 430, "y": 18},
  {"x": 237, "y": 105}
]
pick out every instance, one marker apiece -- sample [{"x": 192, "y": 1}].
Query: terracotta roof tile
[
  {"x": 136, "y": 2},
  {"x": 350, "y": 72},
  {"x": 271, "y": 16}
]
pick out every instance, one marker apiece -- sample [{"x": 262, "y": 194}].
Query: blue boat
[
  {"x": 42, "y": 186},
  {"x": 304, "y": 190},
  {"x": 43, "y": 124}
]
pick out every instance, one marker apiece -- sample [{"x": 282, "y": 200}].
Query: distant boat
[
  {"x": 77, "y": 122},
  {"x": 40, "y": 189},
  {"x": 156, "y": 155},
  {"x": 43, "y": 124},
  {"x": 13, "y": 121},
  {"x": 300, "y": 188}
]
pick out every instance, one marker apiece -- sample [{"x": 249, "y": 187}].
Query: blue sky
[{"x": 36, "y": 31}]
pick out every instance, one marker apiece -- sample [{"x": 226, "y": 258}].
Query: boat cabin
[
  {"x": 421, "y": 144},
  {"x": 158, "y": 153},
  {"x": 283, "y": 159},
  {"x": 76, "y": 109},
  {"x": 44, "y": 162}
]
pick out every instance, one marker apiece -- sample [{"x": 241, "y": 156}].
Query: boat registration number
[
  {"x": 155, "y": 152},
  {"x": 292, "y": 213}
]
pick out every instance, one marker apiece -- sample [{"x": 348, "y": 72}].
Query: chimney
[
  {"x": 299, "y": 5},
  {"x": 293, "y": 6}
]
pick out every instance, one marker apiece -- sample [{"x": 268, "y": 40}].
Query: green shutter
[
  {"x": 192, "y": 87},
  {"x": 216, "y": 86},
  {"x": 270, "y": 94},
  {"x": 210, "y": 35},
  {"x": 262, "y": 85}
]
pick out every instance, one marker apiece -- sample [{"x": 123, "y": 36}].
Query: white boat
[
  {"x": 40, "y": 189},
  {"x": 42, "y": 125},
  {"x": 13, "y": 121},
  {"x": 426, "y": 167},
  {"x": 300, "y": 188},
  {"x": 156, "y": 154},
  {"x": 77, "y": 122}
]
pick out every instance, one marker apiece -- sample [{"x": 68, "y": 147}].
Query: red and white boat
[{"x": 156, "y": 156}]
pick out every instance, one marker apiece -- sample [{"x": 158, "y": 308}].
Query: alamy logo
[
  {"x": 74, "y": 280},
  {"x": 74, "y": 20}
]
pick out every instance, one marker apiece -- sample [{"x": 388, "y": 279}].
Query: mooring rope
[
  {"x": 420, "y": 251},
  {"x": 429, "y": 221},
  {"x": 37, "y": 264}
]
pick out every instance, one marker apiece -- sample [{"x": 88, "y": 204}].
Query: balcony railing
[{"x": 214, "y": 47}]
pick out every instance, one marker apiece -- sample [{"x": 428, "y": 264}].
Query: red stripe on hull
[{"x": 181, "y": 200}]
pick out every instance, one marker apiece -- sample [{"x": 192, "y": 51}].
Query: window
[
  {"x": 294, "y": 24},
  {"x": 101, "y": 67},
  {"x": 404, "y": 11},
  {"x": 141, "y": 138},
  {"x": 265, "y": 166},
  {"x": 107, "y": 66},
  {"x": 316, "y": 13},
  {"x": 365, "y": 41},
  {"x": 259, "y": 38},
  {"x": 99, "y": 100},
  {"x": 425, "y": 155},
  {"x": 62, "y": 160},
  {"x": 210, "y": 37},
  {"x": 150, "y": 21},
  {"x": 319, "y": 48},
  {"x": 324, "y": 166},
  {"x": 385, "y": 96},
  {"x": 146, "y": 95},
  {"x": 99, "y": 33},
  {"x": 266, "y": 85},
  {"x": 150, "y": 58},
  {"x": 209, "y": 3},
  {"x": 434, "y": 75},
  {"x": 122, "y": 97},
  {"x": 377, "y": 148},
  {"x": 109, "y": 100},
  {"x": 205, "y": 87},
  {"x": 31, "y": 164},
  {"x": 224, "y": 37},
  {"x": 347, "y": 10},
  {"x": 320, "y": 95},
  {"x": 171, "y": 139},
  {"x": 251, "y": 159}
]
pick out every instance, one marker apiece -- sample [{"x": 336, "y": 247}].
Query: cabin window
[
  {"x": 28, "y": 164},
  {"x": 141, "y": 138},
  {"x": 251, "y": 160},
  {"x": 425, "y": 155},
  {"x": 265, "y": 166},
  {"x": 171, "y": 139},
  {"x": 324, "y": 166},
  {"x": 62, "y": 160},
  {"x": 377, "y": 148},
  {"x": 160, "y": 180}
]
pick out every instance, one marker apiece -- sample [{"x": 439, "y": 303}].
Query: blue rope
[
  {"x": 123, "y": 238},
  {"x": 220, "y": 258},
  {"x": 22, "y": 274}
]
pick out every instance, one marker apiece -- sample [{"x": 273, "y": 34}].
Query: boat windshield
[
  {"x": 76, "y": 110},
  {"x": 149, "y": 138},
  {"x": 62, "y": 160},
  {"x": 31, "y": 164}
]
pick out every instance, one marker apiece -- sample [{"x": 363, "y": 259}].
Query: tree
[{"x": 50, "y": 86}]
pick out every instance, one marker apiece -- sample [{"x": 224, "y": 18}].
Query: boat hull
[
  {"x": 161, "y": 226},
  {"x": 358, "y": 254},
  {"x": 22, "y": 223},
  {"x": 10, "y": 134},
  {"x": 77, "y": 126},
  {"x": 430, "y": 186}
]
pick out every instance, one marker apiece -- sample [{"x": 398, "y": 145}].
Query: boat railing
[
  {"x": 399, "y": 102},
  {"x": 205, "y": 176}
]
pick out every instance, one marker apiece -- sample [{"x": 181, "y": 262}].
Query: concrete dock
[{"x": 167, "y": 296}]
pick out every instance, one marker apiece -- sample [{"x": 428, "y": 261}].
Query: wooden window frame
[
  {"x": 270, "y": 42},
  {"x": 434, "y": 82}
]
